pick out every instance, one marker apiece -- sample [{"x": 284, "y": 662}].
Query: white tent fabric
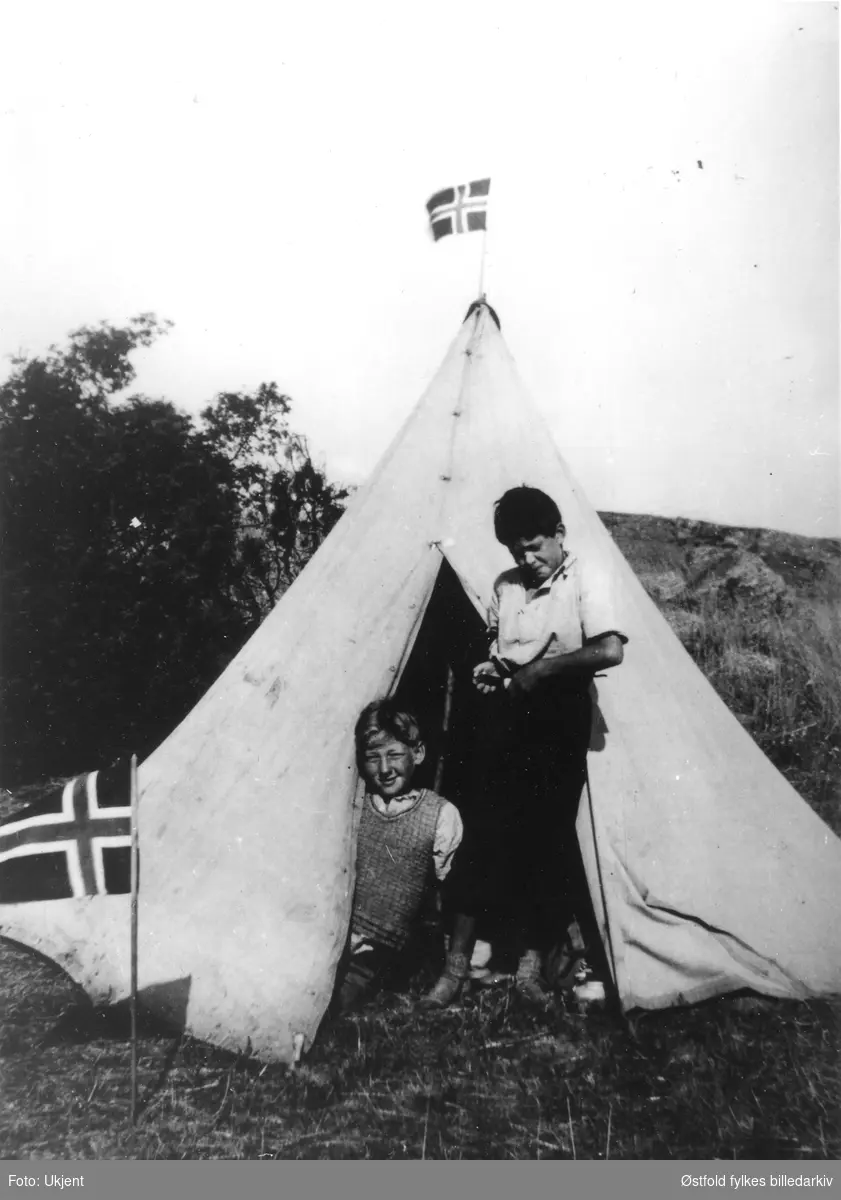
[{"x": 708, "y": 872}]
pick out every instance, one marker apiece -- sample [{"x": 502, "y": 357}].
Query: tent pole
[
  {"x": 608, "y": 933},
  {"x": 437, "y": 902},
  {"x": 134, "y": 888},
  {"x": 445, "y": 725}
]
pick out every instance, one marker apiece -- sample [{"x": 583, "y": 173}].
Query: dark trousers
[
  {"x": 520, "y": 855},
  {"x": 361, "y": 976}
]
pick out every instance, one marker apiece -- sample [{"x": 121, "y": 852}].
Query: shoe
[
  {"x": 563, "y": 959},
  {"x": 588, "y": 990},
  {"x": 528, "y": 980},
  {"x": 449, "y": 986}
]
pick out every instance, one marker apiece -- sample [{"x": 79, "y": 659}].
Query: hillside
[
  {"x": 809, "y": 567},
  {"x": 758, "y": 611}
]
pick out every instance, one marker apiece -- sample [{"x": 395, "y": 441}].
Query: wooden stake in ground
[{"x": 135, "y": 874}]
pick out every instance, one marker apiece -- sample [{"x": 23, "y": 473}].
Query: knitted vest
[{"x": 393, "y": 860}]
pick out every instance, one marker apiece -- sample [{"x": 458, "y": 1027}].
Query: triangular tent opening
[
  {"x": 710, "y": 871},
  {"x": 436, "y": 684}
]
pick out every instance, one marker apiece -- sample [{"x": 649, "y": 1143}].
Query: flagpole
[
  {"x": 484, "y": 256},
  {"x": 134, "y": 889},
  {"x": 483, "y": 267}
]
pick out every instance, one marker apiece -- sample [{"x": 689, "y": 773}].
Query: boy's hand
[
  {"x": 486, "y": 677},
  {"x": 525, "y": 680}
]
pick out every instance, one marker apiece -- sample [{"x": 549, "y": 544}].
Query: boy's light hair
[
  {"x": 386, "y": 716},
  {"x": 525, "y": 512}
]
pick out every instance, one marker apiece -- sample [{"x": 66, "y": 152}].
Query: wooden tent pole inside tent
[{"x": 445, "y": 725}]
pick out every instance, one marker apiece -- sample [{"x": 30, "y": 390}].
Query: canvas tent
[{"x": 707, "y": 871}]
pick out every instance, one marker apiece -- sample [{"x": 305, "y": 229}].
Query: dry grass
[
  {"x": 780, "y": 676},
  {"x": 774, "y": 653},
  {"x": 489, "y": 1080}
]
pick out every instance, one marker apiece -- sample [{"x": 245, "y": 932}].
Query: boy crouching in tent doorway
[
  {"x": 406, "y": 836},
  {"x": 552, "y": 629}
]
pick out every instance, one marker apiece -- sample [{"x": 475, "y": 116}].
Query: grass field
[{"x": 736, "y": 1078}]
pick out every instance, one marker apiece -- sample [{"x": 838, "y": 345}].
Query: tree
[
  {"x": 286, "y": 505},
  {"x": 138, "y": 552}
]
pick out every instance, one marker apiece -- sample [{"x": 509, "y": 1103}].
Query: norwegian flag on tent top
[
  {"x": 75, "y": 842},
  {"x": 461, "y": 209}
]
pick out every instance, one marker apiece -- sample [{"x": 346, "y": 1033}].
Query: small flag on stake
[
  {"x": 76, "y": 842},
  {"x": 461, "y": 209}
]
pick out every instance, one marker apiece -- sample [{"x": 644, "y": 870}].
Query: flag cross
[
  {"x": 82, "y": 830},
  {"x": 462, "y": 205},
  {"x": 459, "y": 209}
]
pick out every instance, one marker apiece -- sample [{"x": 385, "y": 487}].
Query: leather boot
[
  {"x": 529, "y": 981},
  {"x": 449, "y": 986}
]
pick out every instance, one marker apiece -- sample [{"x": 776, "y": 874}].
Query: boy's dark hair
[
  {"x": 386, "y": 716},
  {"x": 525, "y": 512}
]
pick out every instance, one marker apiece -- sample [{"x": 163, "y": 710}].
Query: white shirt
[{"x": 574, "y": 606}]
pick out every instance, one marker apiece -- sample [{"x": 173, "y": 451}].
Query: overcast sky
[{"x": 663, "y": 241}]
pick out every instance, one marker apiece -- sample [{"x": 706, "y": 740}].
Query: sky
[{"x": 663, "y": 231}]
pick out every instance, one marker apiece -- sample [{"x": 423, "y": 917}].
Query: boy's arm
[
  {"x": 448, "y": 834},
  {"x": 488, "y": 675},
  {"x": 581, "y": 664},
  {"x": 493, "y": 620}
]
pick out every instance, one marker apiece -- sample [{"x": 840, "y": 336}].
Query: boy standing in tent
[
  {"x": 406, "y": 837},
  {"x": 552, "y": 629}
]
